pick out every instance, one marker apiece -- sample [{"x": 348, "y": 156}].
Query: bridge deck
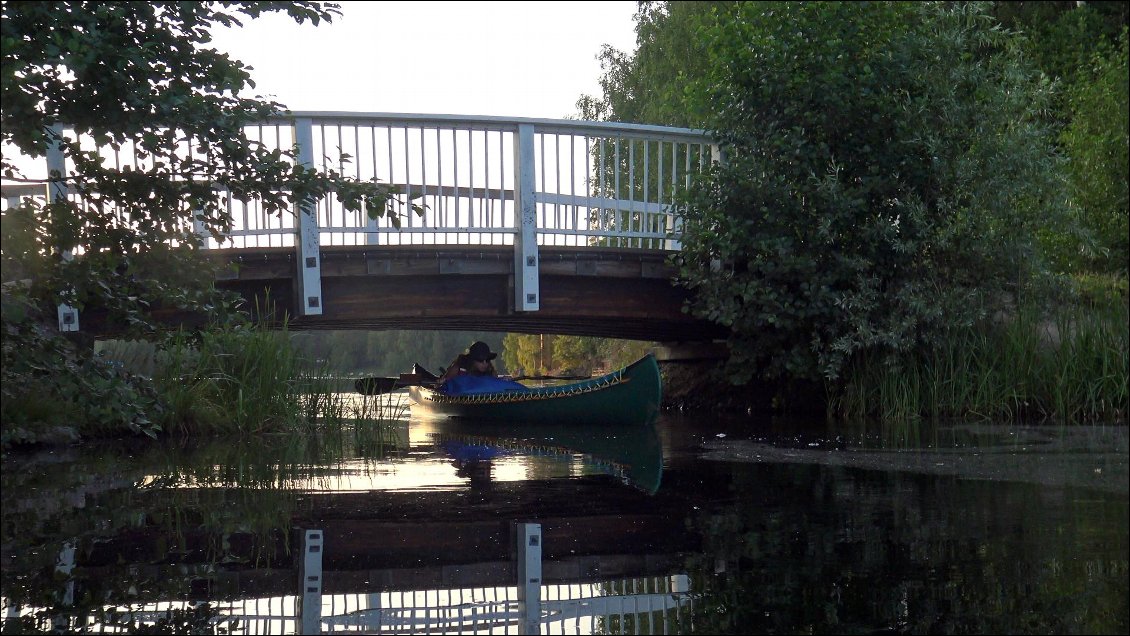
[{"x": 584, "y": 291}]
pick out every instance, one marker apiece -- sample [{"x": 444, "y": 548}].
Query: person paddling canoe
[{"x": 476, "y": 360}]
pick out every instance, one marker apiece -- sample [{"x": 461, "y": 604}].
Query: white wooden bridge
[{"x": 524, "y": 185}]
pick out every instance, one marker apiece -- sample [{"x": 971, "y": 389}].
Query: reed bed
[
  {"x": 250, "y": 380},
  {"x": 1068, "y": 365},
  {"x": 222, "y": 486}
]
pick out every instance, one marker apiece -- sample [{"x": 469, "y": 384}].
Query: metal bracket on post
[
  {"x": 56, "y": 192},
  {"x": 528, "y": 536},
  {"x": 717, "y": 154},
  {"x": 372, "y": 229},
  {"x": 64, "y": 569},
  {"x": 527, "y": 295},
  {"x": 310, "y": 579},
  {"x": 68, "y": 317},
  {"x": 198, "y": 228},
  {"x": 307, "y": 244}
]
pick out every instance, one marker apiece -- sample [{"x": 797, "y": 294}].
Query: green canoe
[{"x": 628, "y": 396}]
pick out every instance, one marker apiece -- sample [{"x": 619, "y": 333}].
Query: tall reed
[
  {"x": 250, "y": 380},
  {"x": 1069, "y": 364}
]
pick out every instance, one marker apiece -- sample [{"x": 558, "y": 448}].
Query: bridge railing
[
  {"x": 481, "y": 181},
  {"x": 593, "y": 183},
  {"x": 589, "y": 183}
]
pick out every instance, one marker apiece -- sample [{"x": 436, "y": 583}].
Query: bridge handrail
[
  {"x": 255, "y": 229},
  {"x": 495, "y": 122}
]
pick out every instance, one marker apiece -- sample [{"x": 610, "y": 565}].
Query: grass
[
  {"x": 251, "y": 381},
  {"x": 1068, "y": 365}
]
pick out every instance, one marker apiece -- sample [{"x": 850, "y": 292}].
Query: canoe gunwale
[
  {"x": 630, "y": 395},
  {"x": 541, "y": 393}
]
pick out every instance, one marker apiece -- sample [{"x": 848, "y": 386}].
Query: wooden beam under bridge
[
  {"x": 600, "y": 292},
  {"x": 605, "y": 292}
]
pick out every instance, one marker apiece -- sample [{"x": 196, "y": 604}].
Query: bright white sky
[
  {"x": 516, "y": 59},
  {"x": 505, "y": 59}
]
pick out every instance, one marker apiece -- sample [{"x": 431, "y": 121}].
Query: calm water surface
[{"x": 696, "y": 525}]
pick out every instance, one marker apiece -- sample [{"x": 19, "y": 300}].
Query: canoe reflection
[
  {"x": 633, "y": 454},
  {"x": 473, "y": 462}
]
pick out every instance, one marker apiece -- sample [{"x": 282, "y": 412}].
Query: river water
[{"x": 698, "y": 524}]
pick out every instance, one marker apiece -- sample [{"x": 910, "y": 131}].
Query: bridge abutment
[{"x": 715, "y": 350}]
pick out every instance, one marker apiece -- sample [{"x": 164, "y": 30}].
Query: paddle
[
  {"x": 379, "y": 386},
  {"x": 382, "y": 385},
  {"x": 375, "y": 386}
]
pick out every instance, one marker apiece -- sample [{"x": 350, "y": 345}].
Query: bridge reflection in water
[
  {"x": 630, "y": 605},
  {"x": 455, "y": 529},
  {"x": 627, "y": 606}
]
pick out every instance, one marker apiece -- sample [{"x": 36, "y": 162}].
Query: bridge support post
[
  {"x": 57, "y": 193},
  {"x": 527, "y": 296},
  {"x": 310, "y": 580},
  {"x": 306, "y": 224},
  {"x": 528, "y": 537},
  {"x": 63, "y": 569}
]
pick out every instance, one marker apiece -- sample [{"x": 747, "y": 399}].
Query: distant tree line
[
  {"x": 533, "y": 354},
  {"x": 393, "y": 352},
  {"x": 390, "y": 352}
]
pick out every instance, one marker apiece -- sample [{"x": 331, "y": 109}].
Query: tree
[
  {"x": 141, "y": 75},
  {"x": 575, "y": 354},
  {"x": 1096, "y": 141},
  {"x": 887, "y": 170},
  {"x": 649, "y": 86},
  {"x": 391, "y": 352},
  {"x": 1082, "y": 47},
  {"x": 522, "y": 353}
]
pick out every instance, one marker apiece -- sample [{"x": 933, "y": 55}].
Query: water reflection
[
  {"x": 634, "y": 455},
  {"x": 813, "y": 530}
]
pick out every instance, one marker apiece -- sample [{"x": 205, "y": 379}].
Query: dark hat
[{"x": 481, "y": 351}]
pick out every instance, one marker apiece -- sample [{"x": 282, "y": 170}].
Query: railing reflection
[
  {"x": 648, "y": 605},
  {"x": 402, "y": 553},
  {"x": 617, "y": 606}
]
